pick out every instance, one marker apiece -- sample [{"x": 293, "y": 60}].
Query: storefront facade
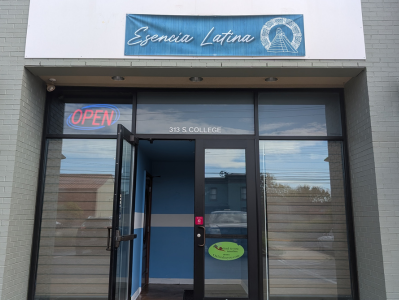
[{"x": 111, "y": 184}]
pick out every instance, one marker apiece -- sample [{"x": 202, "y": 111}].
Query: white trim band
[{"x": 172, "y": 220}]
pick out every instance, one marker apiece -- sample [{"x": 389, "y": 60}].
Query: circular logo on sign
[
  {"x": 226, "y": 251},
  {"x": 280, "y": 43}
]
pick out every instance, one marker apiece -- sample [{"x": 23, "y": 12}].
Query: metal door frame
[
  {"x": 199, "y": 210},
  {"x": 122, "y": 134}
]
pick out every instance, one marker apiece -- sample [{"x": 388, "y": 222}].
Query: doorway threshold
[{"x": 164, "y": 292}]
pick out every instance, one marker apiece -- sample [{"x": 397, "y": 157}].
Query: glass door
[
  {"x": 225, "y": 220},
  {"x": 120, "y": 240}
]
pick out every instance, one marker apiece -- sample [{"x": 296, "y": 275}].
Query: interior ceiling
[
  {"x": 208, "y": 82},
  {"x": 163, "y": 150}
]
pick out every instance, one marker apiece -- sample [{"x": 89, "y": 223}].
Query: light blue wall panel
[
  {"x": 137, "y": 260},
  {"x": 171, "y": 252}
]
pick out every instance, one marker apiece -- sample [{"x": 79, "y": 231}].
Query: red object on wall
[{"x": 199, "y": 221}]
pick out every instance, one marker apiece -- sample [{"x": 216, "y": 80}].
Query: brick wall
[
  {"x": 21, "y": 116},
  {"x": 381, "y": 20},
  {"x": 364, "y": 193},
  {"x": 24, "y": 184}
]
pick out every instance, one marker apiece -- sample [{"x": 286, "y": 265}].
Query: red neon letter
[
  {"x": 85, "y": 116},
  {"x": 73, "y": 116},
  {"x": 109, "y": 120},
  {"x": 96, "y": 117}
]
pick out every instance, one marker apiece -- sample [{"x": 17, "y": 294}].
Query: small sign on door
[{"x": 198, "y": 221}]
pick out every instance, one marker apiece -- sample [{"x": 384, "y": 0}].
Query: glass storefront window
[
  {"x": 88, "y": 118},
  {"x": 195, "y": 113},
  {"x": 299, "y": 114},
  {"x": 305, "y": 237},
  {"x": 77, "y": 209},
  {"x": 305, "y": 246}
]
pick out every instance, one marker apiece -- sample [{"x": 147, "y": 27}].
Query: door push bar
[{"x": 118, "y": 238}]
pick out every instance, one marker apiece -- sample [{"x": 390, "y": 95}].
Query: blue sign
[{"x": 281, "y": 35}]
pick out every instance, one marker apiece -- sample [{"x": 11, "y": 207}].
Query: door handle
[
  {"x": 204, "y": 236},
  {"x": 108, "y": 238},
  {"x": 120, "y": 238}
]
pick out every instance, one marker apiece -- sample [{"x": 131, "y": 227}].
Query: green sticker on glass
[{"x": 226, "y": 251}]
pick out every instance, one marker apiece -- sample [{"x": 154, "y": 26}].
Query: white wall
[{"x": 96, "y": 28}]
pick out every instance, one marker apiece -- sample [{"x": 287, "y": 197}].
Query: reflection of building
[
  {"x": 84, "y": 209},
  {"x": 87, "y": 194},
  {"x": 227, "y": 191},
  {"x": 307, "y": 235}
]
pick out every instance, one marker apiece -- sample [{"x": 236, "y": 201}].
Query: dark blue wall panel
[
  {"x": 173, "y": 192},
  {"x": 171, "y": 252}
]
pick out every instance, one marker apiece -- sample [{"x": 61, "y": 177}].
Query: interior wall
[{"x": 171, "y": 240}]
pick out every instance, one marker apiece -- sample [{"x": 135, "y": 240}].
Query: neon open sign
[{"x": 93, "y": 117}]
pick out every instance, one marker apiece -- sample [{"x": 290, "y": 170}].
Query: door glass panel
[
  {"x": 77, "y": 209},
  {"x": 195, "y": 113},
  {"x": 305, "y": 234},
  {"x": 226, "y": 261},
  {"x": 125, "y": 213}
]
